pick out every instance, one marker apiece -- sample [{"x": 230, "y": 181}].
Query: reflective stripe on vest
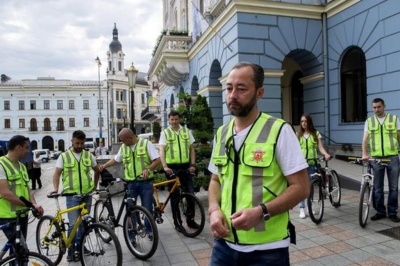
[
  {"x": 177, "y": 148},
  {"x": 383, "y": 138},
  {"x": 18, "y": 182},
  {"x": 258, "y": 169},
  {"x": 135, "y": 161},
  {"x": 77, "y": 175}
]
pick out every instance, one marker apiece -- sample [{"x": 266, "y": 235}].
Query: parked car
[
  {"x": 44, "y": 154},
  {"x": 90, "y": 146},
  {"x": 55, "y": 155}
]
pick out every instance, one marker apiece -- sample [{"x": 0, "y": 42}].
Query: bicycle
[
  {"x": 138, "y": 222},
  {"x": 325, "y": 182},
  {"x": 22, "y": 255},
  {"x": 367, "y": 187},
  {"x": 53, "y": 242},
  {"x": 181, "y": 207}
]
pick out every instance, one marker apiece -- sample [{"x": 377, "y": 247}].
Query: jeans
[
  {"x": 223, "y": 255},
  {"x": 73, "y": 216},
  {"x": 312, "y": 169},
  {"x": 144, "y": 189},
  {"x": 392, "y": 170},
  {"x": 9, "y": 233}
]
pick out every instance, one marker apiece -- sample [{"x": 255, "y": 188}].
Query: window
[
  {"x": 60, "y": 124},
  {"x": 86, "y": 121},
  {"x": 142, "y": 98},
  {"x": 109, "y": 65},
  {"x": 47, "y": 124},
  {"x": 6, "y": 105},
  {"x": 102, "y": 122},
  {"x": 297, "y": 98},
  {"x": 59, "y": 104},
  {"x": 46, "y": 104},
  {"x": 353, "y": 83},
  {"x": 85, "y": 104},
  {"x": 119, "y": 113},
  {"x": 71, "y": 122},
  {"x": 119, "y": 66},
  {"x": 71, "y": 104},
  {"x": 33, "y": 104},
  {"x": 101, "y": 104},
  {"x": 21, "y": 105},
  {"x": 7, "y": 123},
  {"x": 33, "y": 125},
  {"x": 21, "y": 123}
]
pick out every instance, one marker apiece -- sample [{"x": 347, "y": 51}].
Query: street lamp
[
  {"x": 132, "y": 76},
  {"x": 100, "y": 129}
]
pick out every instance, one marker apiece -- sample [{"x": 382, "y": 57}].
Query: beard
[{"x": 242, "y": 110}]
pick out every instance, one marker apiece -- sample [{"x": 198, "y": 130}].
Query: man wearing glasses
[{"x": 258, "y": 174}]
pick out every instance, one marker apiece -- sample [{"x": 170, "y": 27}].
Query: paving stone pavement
[{"x": 337, "y": 240}]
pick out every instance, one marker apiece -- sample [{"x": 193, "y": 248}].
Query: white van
[
  {"x": 148, "y": 136},
  {"x": 90, "y": 146},
  {"x": 44, "y": 154}
]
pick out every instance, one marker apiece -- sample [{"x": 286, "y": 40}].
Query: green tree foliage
[
  {"x": 156, "y": 131},
  {"x": 201, "y": 120}
]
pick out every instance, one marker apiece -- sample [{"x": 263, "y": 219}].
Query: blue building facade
[{"x": 325, "y": 58}]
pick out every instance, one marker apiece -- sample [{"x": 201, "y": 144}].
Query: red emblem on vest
[
  {"x": 257, "y": 155},
  {"x": 390, "y": 126}
]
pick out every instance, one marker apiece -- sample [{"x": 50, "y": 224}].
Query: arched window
[
  {"x": 353, "y": 83},
  {"x": 47, "y": 124},
  {"x": 297, "y": 98}
]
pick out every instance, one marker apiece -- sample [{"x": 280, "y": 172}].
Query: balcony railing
[
  {"x": 60, "y": 128},
  {"x": 46, "y": 128},
  {"x": 33, "y": 129},
  {"x": 150, "y": 112}
]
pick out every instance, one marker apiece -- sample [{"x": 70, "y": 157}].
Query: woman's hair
[{"x": 310, "y": 128}]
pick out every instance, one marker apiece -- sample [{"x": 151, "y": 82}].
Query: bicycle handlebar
[
  {"x": 320, "y": 159},
  {"x": 30, "y": 206},
  {"x": 370, "y": 160}
]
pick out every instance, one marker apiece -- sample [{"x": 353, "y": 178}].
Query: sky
[{"x": 62, "y": 38}]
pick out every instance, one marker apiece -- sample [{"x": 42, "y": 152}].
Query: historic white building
[{"x": 49, "y": 110}]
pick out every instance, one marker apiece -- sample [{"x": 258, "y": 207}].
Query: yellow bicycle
[{"x": 52, "y": 239}]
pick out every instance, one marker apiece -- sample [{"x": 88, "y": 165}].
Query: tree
[
  {"x": 4, "y": 78},
  {"x": 200, "y": 120},
  {"x": 156, "y": 131}
]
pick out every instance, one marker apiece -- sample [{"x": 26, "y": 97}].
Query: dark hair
[
  {"x": 310, "y": 127},
  {"x": 15, "y": 141},
  {"x": 258, "y": 72},
  {"x": 377, "y": 100},
  {"x": 174, "y": 113},
  {"x": 79, "y": 134}
]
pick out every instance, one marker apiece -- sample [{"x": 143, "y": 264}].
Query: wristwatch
[{"x": 266, "y": 214}]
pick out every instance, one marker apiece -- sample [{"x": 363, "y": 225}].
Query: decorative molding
[
  {"x": 209, "y": 89},
  {"x": 312, "y": 78}
]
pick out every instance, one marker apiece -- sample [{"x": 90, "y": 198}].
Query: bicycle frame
[{"x": 161, "y": 207}]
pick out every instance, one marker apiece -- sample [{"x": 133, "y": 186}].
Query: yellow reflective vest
[
  {"x": 383, "y": 138},
  {"x": 135, "y": 161},
  {"x": 309, "y": 148},
  {"x": 18, "y": 182},
  {"x": 177, "y": 148},
  {"x": 250, "y": 178},
  {"x": 77, "y": 176}
]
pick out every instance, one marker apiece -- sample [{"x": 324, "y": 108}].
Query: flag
[{"x": 199, "y": 23}]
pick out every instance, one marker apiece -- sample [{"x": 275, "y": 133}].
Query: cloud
[{"x": 61, "y": 38}]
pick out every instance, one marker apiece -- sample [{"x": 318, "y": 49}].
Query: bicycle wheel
[
  {"x": 315, "y": 202},
  {"x": 191, "y": 219},
  {"x": 30, "y": 258},
  {"x": 335, "y": 192},
  {"x": 363, "y": 207},
  {"x": 102, "y": 215},
  {"x": 48, "y": 239},
  {"x": 95, "y": 252},
  {"x": 140, "y": 232}
]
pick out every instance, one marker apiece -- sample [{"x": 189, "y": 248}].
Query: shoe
[
  {"x": 178, "y": 228},
  {"x": 76, "y": 256},
  {"x": 302, "y": 213},
  {"x": 378, "y": 216},
  {"x": 394, "y": 218},
  {"x": 192, "y": 224},
  {"x": 86, "y": 251},
  {"x": 70, "y": 258},
  {"x": 40, "y": 187}
]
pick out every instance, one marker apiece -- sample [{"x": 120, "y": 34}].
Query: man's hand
[
  {"x": 246, "y": 219},
  {"x": 39, "y": 210},
  {"x": 218, "y": 224},
  {"x": 101, "y": 167}
]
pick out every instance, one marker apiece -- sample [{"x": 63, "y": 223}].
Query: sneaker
[
  {"x": 302, "y": 213},
  {"x": 192, "y": 224},
  {"x": 378, "y": 216},
  {"x": 394, "y": 218},
  {"x": 86, "y": 251}
]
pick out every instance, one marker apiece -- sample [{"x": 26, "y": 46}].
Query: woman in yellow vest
[
  {"x": 310, "y": 139},
  {"x": 14, "y": 183}
]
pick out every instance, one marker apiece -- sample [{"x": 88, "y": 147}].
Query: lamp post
[
  {"x": 132, "y": 76},
  {"x": 100, "y": 124}
]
